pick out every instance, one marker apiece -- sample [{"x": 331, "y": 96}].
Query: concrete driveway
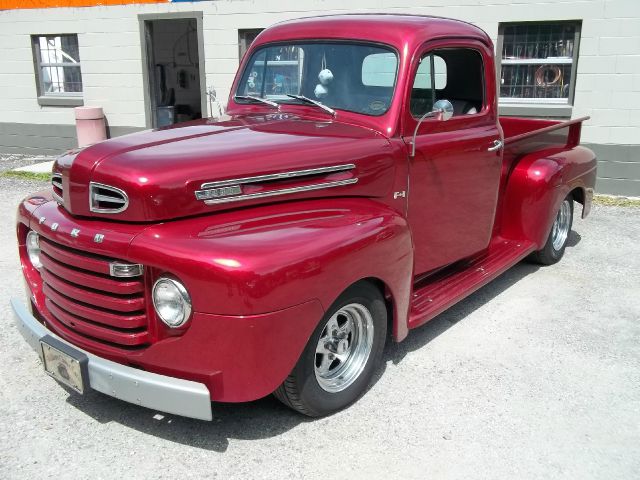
[{"x": 535, "y": 376}]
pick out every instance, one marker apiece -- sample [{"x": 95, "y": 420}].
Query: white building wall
[{"x": 607, "y": 85}]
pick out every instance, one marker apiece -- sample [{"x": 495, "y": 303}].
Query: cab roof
[{"x": 391, "y": 29}]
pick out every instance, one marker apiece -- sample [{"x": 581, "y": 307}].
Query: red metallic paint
[
  {"x": 454, "y": 178},
  {"x": 540, "y": 168},
  {"x": 268, "y": 258},
  {"x": 161, "y": 170},
  {"x": 261, "y": 274}
]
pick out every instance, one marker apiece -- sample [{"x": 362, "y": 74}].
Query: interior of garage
[{"x": 173, "y": 70}]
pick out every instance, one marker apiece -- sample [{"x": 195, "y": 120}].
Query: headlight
[
  {"x": 33, "y": 249},
  {"x": 171, "y": 301}
]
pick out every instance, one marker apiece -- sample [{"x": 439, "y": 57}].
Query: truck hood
[{"x": 204, "y": 166}]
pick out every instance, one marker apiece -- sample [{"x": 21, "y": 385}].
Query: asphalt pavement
[{"x": 537, "y": 375}]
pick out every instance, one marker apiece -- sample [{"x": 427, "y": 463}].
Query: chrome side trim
[
  {"x": 57, "y": 198},
  {"x": 218, "y": 192},
  {"x": 56, "y": 181},
  {"x": 284, "y": 191},
  {"x": 280, "y": 176},
  {"x": 95, "y": 196},
  {"x": 159, "y": 392}
]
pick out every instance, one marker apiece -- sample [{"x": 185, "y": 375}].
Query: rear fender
[{"x": 538, "y": 184}]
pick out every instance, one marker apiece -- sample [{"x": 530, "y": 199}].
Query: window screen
[{"x": 538, "y": 61}]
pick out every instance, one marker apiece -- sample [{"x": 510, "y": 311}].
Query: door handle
[{"x": 495, "y": 146}]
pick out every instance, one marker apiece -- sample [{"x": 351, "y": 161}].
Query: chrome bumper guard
[{"x": 159, "y": 392}]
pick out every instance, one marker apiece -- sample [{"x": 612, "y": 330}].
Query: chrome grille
[
  {"x": 56, "y": 184},
  {"x": 82, "y": 297},
  {"x": 107, "y": 199}
]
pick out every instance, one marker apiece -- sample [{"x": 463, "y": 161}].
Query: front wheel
[
  {"x": 340, "y": 358},
  {"x": 558, "y": 237}
]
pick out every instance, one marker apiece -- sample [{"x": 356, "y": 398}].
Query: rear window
[{"x": 379, "y": 70}]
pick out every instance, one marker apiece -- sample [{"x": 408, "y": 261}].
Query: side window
[{"x": 455, "y": 74}]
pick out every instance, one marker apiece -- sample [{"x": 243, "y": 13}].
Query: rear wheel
[
  {"x": 557, "y": 240},
  {"x": 340, "y": 358}
]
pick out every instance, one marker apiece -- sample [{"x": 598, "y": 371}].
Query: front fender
[
  {"x": 538, "y": 184},
  {"x": 258, "y": 260}
]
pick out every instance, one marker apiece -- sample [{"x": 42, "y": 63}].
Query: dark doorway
[{"x": 174, "y": 70}]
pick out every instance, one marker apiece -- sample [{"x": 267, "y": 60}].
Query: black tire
[
  {"x": 551, "y": 253},
  {"x": 302, "y": 390}
]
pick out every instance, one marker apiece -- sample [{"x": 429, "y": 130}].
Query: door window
[{"x": 456, "y": 75}]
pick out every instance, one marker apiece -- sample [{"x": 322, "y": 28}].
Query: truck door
[{"x": 455, "y": 172}]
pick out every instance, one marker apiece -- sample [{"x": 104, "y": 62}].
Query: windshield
[{"x": 345, "y": 76}]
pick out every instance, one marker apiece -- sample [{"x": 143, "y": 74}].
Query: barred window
[
  {"x": 57, "y": 60},
  {"x": 538, "y": 62}
]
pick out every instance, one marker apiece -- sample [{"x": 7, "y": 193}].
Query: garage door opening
[{"x": 174, "y": 70}]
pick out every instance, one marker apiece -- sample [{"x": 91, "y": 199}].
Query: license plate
[{"x": 67, "y": 365}]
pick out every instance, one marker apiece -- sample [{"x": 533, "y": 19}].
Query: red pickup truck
[{"x": 360, "y": 184}]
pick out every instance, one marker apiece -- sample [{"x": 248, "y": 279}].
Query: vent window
[{"x": 106, "y": 199}]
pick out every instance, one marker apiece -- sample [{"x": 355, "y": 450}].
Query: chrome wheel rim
[
  {"x": 560, "y": 229},
  {"x": 344, "y": 347}
]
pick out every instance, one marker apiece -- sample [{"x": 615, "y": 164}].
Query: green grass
[
  {"x": 612, "y": 201},
  {"x": 40, "y": 177}
]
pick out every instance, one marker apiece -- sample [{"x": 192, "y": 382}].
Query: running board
[{"x": 432, "y": 297}]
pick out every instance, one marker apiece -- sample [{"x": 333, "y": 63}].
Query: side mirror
[{"x": 442, "y": 110}]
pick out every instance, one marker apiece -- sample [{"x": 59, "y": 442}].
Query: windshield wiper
[
  {"x": 313, "y": 102},
  {"x": 257, "y": 99}
]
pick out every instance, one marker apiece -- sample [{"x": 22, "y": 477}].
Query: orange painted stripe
[{"x": 16, "y": 4}]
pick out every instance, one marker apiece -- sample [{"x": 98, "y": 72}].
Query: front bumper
[{"x": 159, "y": 392}]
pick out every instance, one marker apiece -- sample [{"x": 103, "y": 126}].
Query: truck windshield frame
[{"x": 328, "y": 71}]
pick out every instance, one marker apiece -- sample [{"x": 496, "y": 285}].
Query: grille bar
[
  {"x": 56, "y": 186},
  {"x": 80, "y": 278},
  {"x": 109, "y": 198},
  {"x": 110, "y": 302},
  {"x": 93, "y": 330},
  {"x": 85, "y": 300},
  {"x": 116, "y": 320},
  {"x": 70, "y": 257},
  {"x": 56, "y": 180}
]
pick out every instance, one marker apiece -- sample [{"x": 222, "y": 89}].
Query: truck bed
[{"x": 518, "y": 129}]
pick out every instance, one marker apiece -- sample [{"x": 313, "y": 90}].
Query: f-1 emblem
[{"x": 402, "y": 194}]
